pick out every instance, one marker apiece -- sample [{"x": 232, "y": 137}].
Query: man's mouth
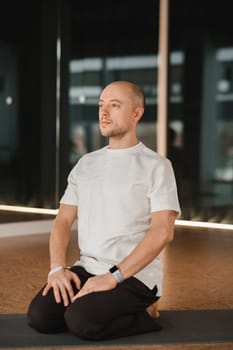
[{"x": 104, "y": 122}]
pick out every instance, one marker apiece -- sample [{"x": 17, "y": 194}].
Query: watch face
[{"x": 113, "y": 269}]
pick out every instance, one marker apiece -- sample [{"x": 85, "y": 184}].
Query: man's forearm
[
  {"x": 144, "y": 253},
  {"x": 148, "y": 249},
  {"x": 60, "y": 234},
  {"x": 58, "y": 243}
]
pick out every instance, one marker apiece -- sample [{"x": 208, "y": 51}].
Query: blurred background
[{"x": 57, "y": 55}]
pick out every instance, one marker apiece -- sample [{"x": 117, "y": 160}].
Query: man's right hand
[{"x": 60, "y": 281}]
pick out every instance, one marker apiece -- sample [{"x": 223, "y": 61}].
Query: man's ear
[{"x": 138, "y": 113}]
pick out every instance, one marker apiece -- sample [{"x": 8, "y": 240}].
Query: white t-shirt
[{"x": 115, "y": 191}]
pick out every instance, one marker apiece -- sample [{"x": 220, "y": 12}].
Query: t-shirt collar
[{"x": 127, "y": 150}]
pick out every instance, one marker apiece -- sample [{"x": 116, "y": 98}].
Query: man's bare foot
[{"x": 153, "y": 310}]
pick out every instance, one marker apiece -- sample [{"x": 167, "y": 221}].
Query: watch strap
[{"x": 115, "y": 271}]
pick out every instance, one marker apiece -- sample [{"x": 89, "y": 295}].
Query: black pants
[{"x": 100, "y": 315}]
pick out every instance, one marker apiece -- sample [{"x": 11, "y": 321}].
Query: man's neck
[{"x": 123, "y": 143}]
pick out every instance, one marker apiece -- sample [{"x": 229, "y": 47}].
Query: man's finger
[
  {"x": 46, "y": 289},
  {"x": 69, "y": 290},
  {"x": 56, "y": 293},
  {"x": 82, "y": 292},
  {"x": 76, "y": 280},
  {"x": 64, "y": 295}
]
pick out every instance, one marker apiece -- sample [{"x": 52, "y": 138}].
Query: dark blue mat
[{"x": 178, "y": 327}]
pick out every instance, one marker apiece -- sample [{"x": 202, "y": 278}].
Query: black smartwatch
[{"x": 115, "y": 271}]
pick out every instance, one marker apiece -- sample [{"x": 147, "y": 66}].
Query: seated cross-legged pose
[{"x": 124, "y": 198}]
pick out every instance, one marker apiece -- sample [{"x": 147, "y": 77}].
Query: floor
[{"x": 198, "y": 267}]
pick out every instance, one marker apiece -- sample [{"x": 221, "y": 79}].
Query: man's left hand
[{"x": 97, "y": 283}]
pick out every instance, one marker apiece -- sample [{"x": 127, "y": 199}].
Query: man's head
[{"x": 121, "y": 106}]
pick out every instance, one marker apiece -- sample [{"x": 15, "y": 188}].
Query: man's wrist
[
  {"x": 56, "y": 269},
  {"x": 116, "y": 272}
]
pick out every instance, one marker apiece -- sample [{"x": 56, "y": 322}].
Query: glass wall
[
  {"x": 203, "y": 32},
  {"x": 56, "y": 57},
  {"x": 30, "y": 146},
  {"x": 20, "y": 106}
]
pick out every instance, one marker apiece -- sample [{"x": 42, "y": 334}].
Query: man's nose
[{"x": 104, "y": 113}]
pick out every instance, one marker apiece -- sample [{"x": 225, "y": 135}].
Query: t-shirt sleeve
[
  {"x": 163, "y": 192},
  {"x": 70, "y": 195}
]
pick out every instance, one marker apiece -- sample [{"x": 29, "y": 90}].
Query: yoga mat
[{"x": 178, "y": 327}]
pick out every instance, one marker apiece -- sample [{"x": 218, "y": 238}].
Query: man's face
[{"x": 116, "y": 111}]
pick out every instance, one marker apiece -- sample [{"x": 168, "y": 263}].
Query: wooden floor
[{"x": 198, "y": 268}]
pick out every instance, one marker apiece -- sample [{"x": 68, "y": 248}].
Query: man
[{"x": 125, "y": 198}]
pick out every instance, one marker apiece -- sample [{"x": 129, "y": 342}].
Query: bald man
[{"x": 124, "y": 198}]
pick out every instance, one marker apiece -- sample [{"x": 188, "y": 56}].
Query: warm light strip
[
  {"x": 204, "y": 224},
  {"x": 186, "y": 223},
  {"x": 29, "y": 209}
]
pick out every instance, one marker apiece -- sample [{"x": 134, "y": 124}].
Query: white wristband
[{"x": 55, "y": 269}]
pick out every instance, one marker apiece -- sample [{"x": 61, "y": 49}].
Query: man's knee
[
  {"x": 43, "y": 320},
  {"x": 36, "y": 318},
  {"x": 78, "y": 323}
]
